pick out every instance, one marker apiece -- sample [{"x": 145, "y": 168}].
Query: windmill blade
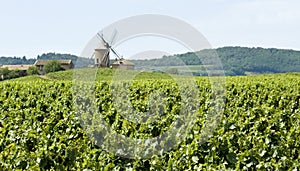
[
  {"x": 92, "y": 55},
  {"x": 105, "y": 56},
  {"x": 105, "y": 59},
  {"x": 100, "y": 37},
  {"x": 114, "y": 35},
  {"x": 115, "y": 52},
  {"x": 108, "y": 46}
]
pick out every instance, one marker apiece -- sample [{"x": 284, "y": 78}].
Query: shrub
[{"x": 52, "y": 66}]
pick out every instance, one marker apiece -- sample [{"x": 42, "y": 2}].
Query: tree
[
  {"x": 32, "y": 70},
  {"x": 14, "y": 74},
  {"x": 4, "y": 71},
  {"x": 52, "y": 66}
]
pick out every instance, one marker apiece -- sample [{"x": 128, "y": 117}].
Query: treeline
[
  {"x": 51, "y": 66},
  {"x": 57, "y": 56},
  {"x": 45, "y": 56},
  {"x": 240, "y": 60},
  {"x": 15, "y": 60},
  {"x": 9, "y": 74},
  {"x": 6, "y": 74},
  {"x": 79, "y": 62},
  {"x": 235, "y": 60}
]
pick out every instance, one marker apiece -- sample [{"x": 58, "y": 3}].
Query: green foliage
[
  {"x": 82, "y": 62},
  {"x": 259, "y": 60},
  {"x": 4, "y": 71},
  {"x": 32, "y": 70},
  {"x": 13, "y": 74},
  {"x": 15, "y": 60},
  {"x": 57, "y": 56},
  {"x": 52, "y": 66},
  {"x": 9, "y": 74},
  {"x": 45, "y": 56},
  {"x": 259, "y": 129},
  {"x": 235, "y": 60},
  {"x": 106, "y": 74},
  {"x": 26, "y": 78}
]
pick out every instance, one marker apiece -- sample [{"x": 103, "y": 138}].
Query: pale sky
[{"x": 32, "y": 27}]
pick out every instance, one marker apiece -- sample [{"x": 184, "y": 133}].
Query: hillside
[
  {"x": 235, "y": 60},
  {"x": 258, "y": 60}
]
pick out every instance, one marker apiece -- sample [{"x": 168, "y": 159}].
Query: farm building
[
  {"x": 65, "y": 64},
  {"x": 16, "y": 67},
  {"x": 122, "y": 64},
  {"x": 22, "y": 68}
]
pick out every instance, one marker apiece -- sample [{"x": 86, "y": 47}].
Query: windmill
[{"x": 102, "y": 53}]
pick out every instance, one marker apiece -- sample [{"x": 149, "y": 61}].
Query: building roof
[
  {"x": 16, "y": 67},
  {"x": 122, "y": 62},
  {"x": 43, "y": 62}
]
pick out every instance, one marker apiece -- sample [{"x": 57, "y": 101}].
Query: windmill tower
[
  {"x": 102, "y": 57},
  {"x": 101, "y": 53}
]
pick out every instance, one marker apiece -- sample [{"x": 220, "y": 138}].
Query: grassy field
[
  {"x": 107, "y": 74},
  {"x": 104, "y": 74}
]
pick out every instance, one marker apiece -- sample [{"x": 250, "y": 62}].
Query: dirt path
[{"x": 45, "y": 77}]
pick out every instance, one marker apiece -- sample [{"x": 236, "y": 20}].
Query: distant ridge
[{"x": 236, "y": 60}]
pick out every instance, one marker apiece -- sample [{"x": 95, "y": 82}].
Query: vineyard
[{"x": 41, "y": 128}]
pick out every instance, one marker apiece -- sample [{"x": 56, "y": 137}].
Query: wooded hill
[{"x": 235, "y": 60}]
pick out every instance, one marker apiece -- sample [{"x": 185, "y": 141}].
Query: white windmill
[{"x": 101, "y": 53}]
